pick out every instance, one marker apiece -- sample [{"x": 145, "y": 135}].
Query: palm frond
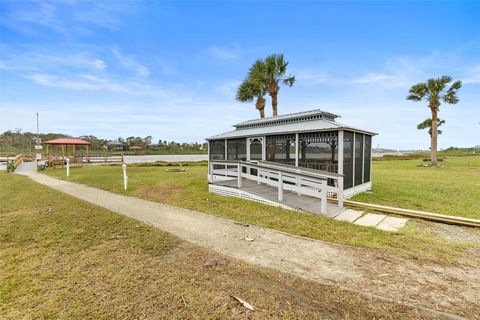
[
  {"x": 444, "y": 80},
  {"x": 427, "y": 123},
  {"x": 246, "y": 92},
  {"x": 456, "y": 85},
  {"x": 450, "y": 98},
  {"x": 414, "y": 97},
  {"x": 418, "y": 92},
  {"x": 289, "y": 81}
]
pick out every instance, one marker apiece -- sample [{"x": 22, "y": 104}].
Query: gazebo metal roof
[
  {"x": 286, "y": 118},
  {"x": 68, "y": 141},
  {"x": 308, "y": 121}
]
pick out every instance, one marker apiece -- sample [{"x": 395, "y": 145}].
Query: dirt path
[{"x": 450, "y": 289}]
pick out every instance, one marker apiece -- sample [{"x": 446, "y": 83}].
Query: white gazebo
[{"x": 298, "y": 152}]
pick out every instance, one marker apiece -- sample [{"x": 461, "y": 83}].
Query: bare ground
[{"x": 453, "y": 289}]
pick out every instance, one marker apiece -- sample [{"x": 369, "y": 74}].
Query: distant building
[{"x": 115, "y": 146}]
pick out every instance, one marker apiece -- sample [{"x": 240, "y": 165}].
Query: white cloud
[
  {"x": 130, "y": 62},
  {"x": 85, "y": 71},
  {"x": 472, "y": 76},
  {"x": 396, "y": 72},
  {"x": 16, "y": 60},
  {"x": 229, "y": 88},
  {"x": 374, "y": 78},
  {"x": 224, "y": 53},
  {"x": 315, "y": 76},
  {"x": 309, "y": 76},
  {"x": 105, "y": 84},
  {"x": 65, "y": 17}
]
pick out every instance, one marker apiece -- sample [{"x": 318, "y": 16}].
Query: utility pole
[
  {"x": 38, "y": 146},
  {"x": 38, "y": 131}
]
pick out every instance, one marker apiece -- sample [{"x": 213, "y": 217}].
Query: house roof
[
  {"x": 309, "y": 121},
  {"x": 115, "y": 143},
  {"x": 69, "y": 141}
]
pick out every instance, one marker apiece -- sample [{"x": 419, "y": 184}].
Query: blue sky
[{"x": 170, "y": 69}]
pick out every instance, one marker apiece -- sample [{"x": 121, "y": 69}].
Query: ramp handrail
[
  {"x": 17, "y": 160},
  {"x": 307, "y": 171},
  {"x": 298, "y": 180}
]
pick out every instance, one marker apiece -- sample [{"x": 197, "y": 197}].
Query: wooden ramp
[{"x": 290, "y": 199}]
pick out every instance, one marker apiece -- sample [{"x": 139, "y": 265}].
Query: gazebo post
[
  {"x": 363, "y": 158},
  {"x": 226, "y": 150},
  {"x": 340, "y": 169},
  {"x": 209, "y": 169},
  {"x": 296, "y": 149},
  {"x": 264, "y": 148}
]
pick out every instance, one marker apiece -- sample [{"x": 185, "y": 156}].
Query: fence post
[
  {"x": 323, "y": 199},
  {"x": 280, "y": 186},
  {"x": 67, "y": 159},
  {"x": 239, "y": 172},
  {"x": 125, "y": 178},
  {"x": 210, "y": 167},
  {"x": 340, "y": 192},
  {"x": 298, "y": 181}
]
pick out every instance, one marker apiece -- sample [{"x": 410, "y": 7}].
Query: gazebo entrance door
[{"x": 255, "y": 149}]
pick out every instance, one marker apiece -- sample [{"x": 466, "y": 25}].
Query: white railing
[{"x": 283, "y": 177}]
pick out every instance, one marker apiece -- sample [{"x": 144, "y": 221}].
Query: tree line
[{"x": 18, "y": 141}]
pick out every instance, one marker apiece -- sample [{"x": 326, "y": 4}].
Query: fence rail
[{"x": 83, "y": 158}]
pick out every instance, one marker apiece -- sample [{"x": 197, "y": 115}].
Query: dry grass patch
[{"x": 159, "y": 193}]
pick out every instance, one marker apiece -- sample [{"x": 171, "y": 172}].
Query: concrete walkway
[
  {"x": 371, "y": 272},
  {"x": 379, "y": 221},
  {"x": 27, "y": 167}
]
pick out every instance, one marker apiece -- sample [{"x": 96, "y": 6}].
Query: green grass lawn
[
  {"x": 62, "y": 258},
  {"x": 453, "y": 189},
  {"x": 189, "y": 190}
]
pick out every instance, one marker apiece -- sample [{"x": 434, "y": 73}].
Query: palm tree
[
  {"x": 433, "y": 91},
  {"x": 254, "y": 87},
  {"x": 427, "y": 123},
  {"x": 275, "y": 68}
]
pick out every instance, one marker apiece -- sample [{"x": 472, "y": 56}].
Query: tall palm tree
[
  {"x": 434, "y": 91},
  {"x": 254, "y": 87},
  {"x": 275, "y": 68},
  {"x": 427, "y": 123}
]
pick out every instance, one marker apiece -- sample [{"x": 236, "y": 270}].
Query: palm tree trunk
[
  {"x": 274, "y": 103},
  {"x": 433, "y": 145},
  {"x": 262, "y": 113},
  {"x": 260, "y": 104}
]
